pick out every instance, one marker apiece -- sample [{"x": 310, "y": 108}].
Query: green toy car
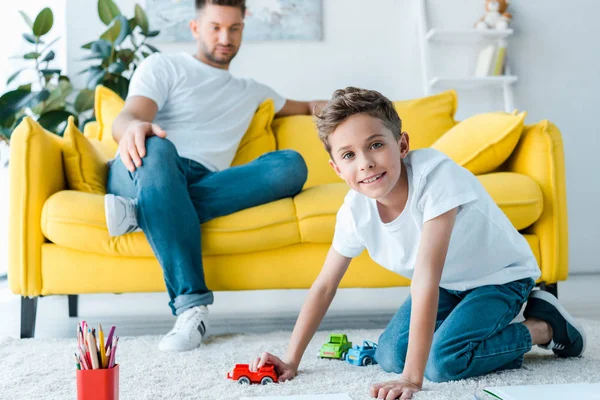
[{"x": 337, "y": 347}]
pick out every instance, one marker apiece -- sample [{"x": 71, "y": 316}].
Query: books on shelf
[{"x": 491, "y": 60}]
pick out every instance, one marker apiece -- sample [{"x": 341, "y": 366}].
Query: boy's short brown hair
[
  {"x": 241, "y": 4},
  {"x": 351, "y": 101}
]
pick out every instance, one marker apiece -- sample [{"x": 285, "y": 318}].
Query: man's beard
[{"x": 222, "y": 60}]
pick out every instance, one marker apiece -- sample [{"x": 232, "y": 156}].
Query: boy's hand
[
  {"x": 284, "y": 370},
  {"x": 401, "y": 389}
]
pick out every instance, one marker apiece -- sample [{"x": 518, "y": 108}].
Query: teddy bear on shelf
[{"x": 495, "y": 16}]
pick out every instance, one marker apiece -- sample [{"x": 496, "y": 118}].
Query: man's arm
[
  {"x": 131, "y": 128},
  {"x": 137, "y": 109},
  {"x": 424, "y": 289},
  {"x": 292, "y": 107}
]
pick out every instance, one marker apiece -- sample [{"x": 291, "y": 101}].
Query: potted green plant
[
  {"x": 46, "y": 98},
  {"x": 116, "y": 57}
]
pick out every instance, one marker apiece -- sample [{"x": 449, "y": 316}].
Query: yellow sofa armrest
[
  {"x": 91, "y": 130},
  {"x": 540, "y": 155},
  {"x": 36, "y": 172}
]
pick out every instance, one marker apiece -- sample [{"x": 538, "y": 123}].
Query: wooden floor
[{"x": 250, "y": 311}]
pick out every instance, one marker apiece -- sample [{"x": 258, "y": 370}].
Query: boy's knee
[
  {"x": 389, "y": 356},
  {"x": 444, "y": 369}
]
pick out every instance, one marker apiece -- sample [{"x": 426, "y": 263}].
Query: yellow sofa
[{"x": 59, "y": 243}]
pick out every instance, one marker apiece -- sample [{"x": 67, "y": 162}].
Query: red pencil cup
[{"x": 98, "y": 384}]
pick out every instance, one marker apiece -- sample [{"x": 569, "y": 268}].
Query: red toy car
[{"x": 242, "y": 374}]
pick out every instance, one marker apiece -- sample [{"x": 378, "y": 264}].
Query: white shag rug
[{"x": 44, "y": 369}]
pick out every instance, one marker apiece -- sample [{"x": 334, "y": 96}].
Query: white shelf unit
[
  {"x": 466, "y": 35},
  {"x": 434, "y": 36}
]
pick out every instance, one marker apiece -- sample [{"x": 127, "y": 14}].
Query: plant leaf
[
  {"x": 27, "y": 19},
  {"x": 102, "y": 47},
  {"x": 95, "y": 78},
  {"x": 152, "y": 48},
  {"x": 140, "y": 18},
  {"x": 120, "y": 85},
  {"x": 47, "y": 72},
  {"x": 43, "y": 22},
  {"x": 84, "y": 101},
  {"x": 107, "y": 10},
  {"x": 118, "y": 31},
  {"x": 132, "y": 24},
  {"x": 14, "y": 76},
  {"x": 116, "y": 68},
  {"x": 13, "y": 101},
  {"x": 31, "y": 56},
  {"x": 49, "y": 56},
  {"x": 25, "y": 87},
  {"x": 55, "y": 121},
  {"x": 125, "y": 55},
  {"x": 31, "y": 38},
  {"x": 87, "y": 46},
  {"x": 151, "y": 33}
]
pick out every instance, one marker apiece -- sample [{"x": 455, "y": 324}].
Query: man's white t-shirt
[
  {"x": 204, "y": 110},
  {"x": 485, "y": 248}
]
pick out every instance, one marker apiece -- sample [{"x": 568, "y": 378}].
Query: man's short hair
[
  {"x": 241, "y": 4},
  {"x": 351, "y": 101}
]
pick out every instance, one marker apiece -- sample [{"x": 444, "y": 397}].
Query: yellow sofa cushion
[
  {"x": 76, "y": 220},
  {"x": 84, "y": 160},
  {"x": 259, "y": 138},
  {"x": 317, "y": 207},
  {"x": 107, "y": 105},
  {"x": 299, "y": 132},
  {"x": 426, "y": 119},
  {"x": 483, "y": 142}
]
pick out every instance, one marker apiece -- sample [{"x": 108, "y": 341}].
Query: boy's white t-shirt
[
  {"x": 204, "y": 110},
  {"x": 485, "y": 248}
]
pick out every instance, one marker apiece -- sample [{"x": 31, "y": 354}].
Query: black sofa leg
[
  {"x": 553, "y": 288},
  {"x": 73, "y": 300},
  {"x": 28, "y": 311}
]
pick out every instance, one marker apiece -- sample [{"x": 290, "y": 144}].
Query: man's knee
[
  {"x": 390, "y": 355},
  {"x": 294, "y": 169},
  {"x": 159, "y": 149},
  {"x": 160, "y": 164}
]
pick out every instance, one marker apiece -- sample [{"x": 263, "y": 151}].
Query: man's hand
[
  {"x": 284, "y": 370},
  {"x": 401, "y": 389},
  {"x": 132, "y": 146}
]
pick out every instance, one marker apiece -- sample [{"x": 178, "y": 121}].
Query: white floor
[{"x": 250, "y": 311}]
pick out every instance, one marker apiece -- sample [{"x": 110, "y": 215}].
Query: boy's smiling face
[{"x": 367, "y": 156}]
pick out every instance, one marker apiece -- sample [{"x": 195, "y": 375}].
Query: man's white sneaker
[
  {"x": 120, "y": 215},
  {"x": 188, "y": 331}
]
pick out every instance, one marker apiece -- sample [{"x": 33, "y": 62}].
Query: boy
[{"x": 423, "y": 216}]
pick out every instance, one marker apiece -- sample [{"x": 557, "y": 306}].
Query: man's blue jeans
[
  {"x": 473, "y": 333},
  {"x": 174, "y": 195}
]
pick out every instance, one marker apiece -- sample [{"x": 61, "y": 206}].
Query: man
[{"x": 178, "y": 133}]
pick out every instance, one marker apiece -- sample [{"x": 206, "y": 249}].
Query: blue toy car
[{"x": 362, "y": 355}]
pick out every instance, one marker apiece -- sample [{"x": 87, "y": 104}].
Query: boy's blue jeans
[
  {"x": 473, "y": 333},
  {"x": 174, "y": 195}
]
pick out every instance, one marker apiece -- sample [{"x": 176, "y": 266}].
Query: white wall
[{"x": 374, "y": 44}]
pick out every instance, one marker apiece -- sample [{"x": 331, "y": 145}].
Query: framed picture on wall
[{"x": 265, "y": 20}]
